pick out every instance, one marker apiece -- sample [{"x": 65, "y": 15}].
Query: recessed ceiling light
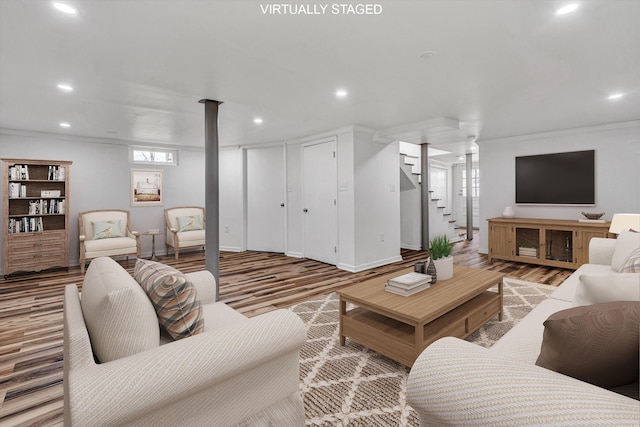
[
  {"x": 341, "y": 93},
  {"x": 257, "y": 121},
  {"x": 65, "y": 8},
  {"x": 567, "y": 9},
  {"x": 65, "y": 125},
  {"x": 65, "y": 87},
  {"x": 616, "y": 96}
]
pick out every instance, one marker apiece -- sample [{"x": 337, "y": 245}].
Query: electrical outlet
[
  {"x": 382, "y": 237},
  {"x": 226, "y": 228}
]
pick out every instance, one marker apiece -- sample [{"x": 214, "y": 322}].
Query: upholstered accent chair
[
  {"x": 185, "y": 228},
  {"x": 106, "y": 233}
]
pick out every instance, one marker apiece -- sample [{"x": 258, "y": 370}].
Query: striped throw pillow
[
  {"x": 173, "y": 296},
  {"x": 632, "y": 263}
]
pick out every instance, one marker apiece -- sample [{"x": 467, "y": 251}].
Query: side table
[{"x": 153, "y": 234}]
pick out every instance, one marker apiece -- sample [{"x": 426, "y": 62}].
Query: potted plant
[{"x": 440, "y": 252}]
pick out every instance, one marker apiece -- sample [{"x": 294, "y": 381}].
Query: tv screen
[{"x": 556, "y": 179}]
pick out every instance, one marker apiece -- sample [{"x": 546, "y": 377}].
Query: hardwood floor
[{"x": 251, "y": 282}]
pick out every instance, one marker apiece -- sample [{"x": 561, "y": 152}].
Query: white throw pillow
[
  {"x": 626, "y": 242},
  {"x": 120, "y": 318},
  {"x": 607, "y": 288}
]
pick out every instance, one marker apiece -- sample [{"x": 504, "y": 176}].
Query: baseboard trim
[
  {"x": 411, "y": 247},
  {"x": 294, "y": 254},
  {"x": 231, "y": 248},
  {"x": 367, "y": 266}
]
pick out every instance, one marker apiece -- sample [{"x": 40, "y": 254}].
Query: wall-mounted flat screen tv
[{"x": 556, "y": 179}]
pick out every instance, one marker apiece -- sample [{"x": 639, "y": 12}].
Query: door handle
[
  {"x": 282, "y": 205},
  {"x": 305, "y": 210}
]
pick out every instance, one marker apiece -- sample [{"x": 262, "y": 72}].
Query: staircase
[{"x": 441, "y": 220}]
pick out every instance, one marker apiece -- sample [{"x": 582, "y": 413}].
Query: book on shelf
[
  {"x": 528, "y": 252},
  {"x": 14, "y": 173},
  {"x": 56, "y": 173},
  {"x": 398, "y": 290},
  {"x": 14, "y": 190},
  {"x": 410, "y": 280},
  {"x": 25, "y": 225},
  {"x": 49, "y": 193}
]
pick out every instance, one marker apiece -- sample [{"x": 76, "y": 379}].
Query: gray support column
[
  {"x": 469, "y": 198},
  {"x": 424, "y": 193},
  {"x": 212, "y": 191}
]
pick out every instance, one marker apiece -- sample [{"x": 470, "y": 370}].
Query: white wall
[
  {"x": 346, "y": 200},
  {"x": 294, "y": 230},
  {"x": 617, "y": 149},
  {"x": 231, "y": 185},
  {"x": 377, "y": 202},
  {"x": 100, "y": 178}
]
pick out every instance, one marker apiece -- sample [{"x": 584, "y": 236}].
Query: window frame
[{"x": 167, "y": 151}]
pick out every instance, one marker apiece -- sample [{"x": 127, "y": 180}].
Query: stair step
[{"x": 409, "y": 155}]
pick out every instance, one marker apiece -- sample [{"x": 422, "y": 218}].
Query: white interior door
[
  {"x": 439, "y": 185},
  {"x": 320, "y": 182},
  {"x": 265, "y": 199}
]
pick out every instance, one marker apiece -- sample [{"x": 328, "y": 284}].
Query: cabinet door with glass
[
  {"x": 527, "y": 243},
  {"x": 558, "y": 246}
]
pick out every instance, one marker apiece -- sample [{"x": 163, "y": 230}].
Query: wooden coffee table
[{"x": 401, "y": 327}]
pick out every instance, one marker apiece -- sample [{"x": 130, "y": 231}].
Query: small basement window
[{"x": 155, "y": 156}]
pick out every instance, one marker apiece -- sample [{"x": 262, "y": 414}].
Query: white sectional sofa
[
  {"x": 119, "y": 370},
  {"x": 455, "y": 382}
]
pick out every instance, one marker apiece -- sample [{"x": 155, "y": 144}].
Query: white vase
[
  {"x": 508, "y": 212},
  {"x": 444, "y": 267}
]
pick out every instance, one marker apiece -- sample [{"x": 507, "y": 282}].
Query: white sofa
[
  {"x": 239, "y": 371},
  {"x": 455, "y": 382}
]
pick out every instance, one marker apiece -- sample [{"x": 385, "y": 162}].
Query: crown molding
[
  {"x": 95, "y": 140},
  {"x": 563, "y": 132}
]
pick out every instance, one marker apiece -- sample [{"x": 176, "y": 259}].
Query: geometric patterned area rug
[{"x": 353, "y": 386}]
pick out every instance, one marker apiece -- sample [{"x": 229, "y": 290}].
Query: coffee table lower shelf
[{"x": 399, "y": 341}]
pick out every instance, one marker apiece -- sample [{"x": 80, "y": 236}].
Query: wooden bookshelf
[
  {"x": 551, "y": 242},
  {"x": 35, "y": 215}
]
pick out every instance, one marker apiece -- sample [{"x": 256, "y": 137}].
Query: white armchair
[
  {"x": 106, "y": 233},
  {"x": 238, "y": 372},
  {"x": 185, "y": 228}
]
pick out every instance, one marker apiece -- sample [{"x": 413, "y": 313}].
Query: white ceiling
[{"x": 139, "y": 68}]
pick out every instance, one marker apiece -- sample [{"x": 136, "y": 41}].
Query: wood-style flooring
[{"x": 251, "y": 282}]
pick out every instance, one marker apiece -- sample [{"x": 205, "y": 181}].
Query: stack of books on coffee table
[{"x": 408, "y": 284}]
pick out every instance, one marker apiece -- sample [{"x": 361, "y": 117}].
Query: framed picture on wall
[{"x": 146, "y": 187}]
